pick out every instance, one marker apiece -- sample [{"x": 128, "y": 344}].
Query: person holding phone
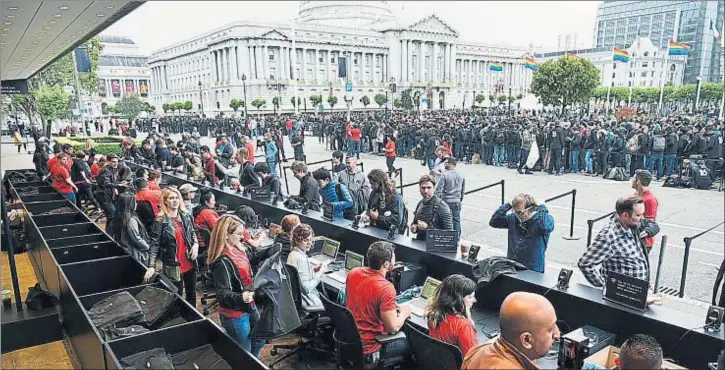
[{"x": 529, "y": 225}]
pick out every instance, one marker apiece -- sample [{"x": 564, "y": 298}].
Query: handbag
[{"x": 39, "y": 299}]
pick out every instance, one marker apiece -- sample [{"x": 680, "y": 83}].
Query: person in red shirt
[
  {"x": 144, "y": 193},
  {"x": 449, "y": 313},
  {"x": 250, "y": 148},
  {"x": 371, "y": 299},
  {"x": 640, "y": 183},
  {"x": 390, "y": 153},
  {"x": 60, "y": 178},
  {"x": 66, "y": 149},
  {"x": 355, "y": 135},
  {"x": 205, "y": 215},
  {"x": 155, "y": 180},
  {"x": 209, "y": 165}
]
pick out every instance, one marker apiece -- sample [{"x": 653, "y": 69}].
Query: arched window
[
  {"x": 646, "y": 53},
  {"x": 672, "y": 68}
]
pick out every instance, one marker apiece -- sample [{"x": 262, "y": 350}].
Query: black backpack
[{"x": 357, "y": 202}]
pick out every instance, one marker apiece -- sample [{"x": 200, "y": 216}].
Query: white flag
[{"x": 533, "y": 156}]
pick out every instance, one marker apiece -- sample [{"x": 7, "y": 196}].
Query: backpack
[
  {"x": 633, "y": 145},
  {"x": 658, "y": 144},
  {"x": 403, "y": 211},
  {"x": 350, "y": 213}
]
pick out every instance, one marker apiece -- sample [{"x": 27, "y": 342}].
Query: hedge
[{"x": 104, "y": 144}]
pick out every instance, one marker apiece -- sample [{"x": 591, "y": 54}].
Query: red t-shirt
[
  {"x": 289, "y": 125},
  {"x": 456, "y": 330},
  {"x": 184, "y": 263},
  {"x": 154, "y": 186},
  {"x": 650, "y": 212},
  {"x": 95, "y": 169},
  {"x": 54, "y": 160},
  {"x": 355, "y": 134},
  {"x": 388, "y": 146},
  {"x": 59, "y": 174},
  {"x": 207, "y": 219},
  {"x": 250, "y": 149},
  {"x": 152, "y": 196},
  {"x": 369, "y": 294},
  {"x": 241, "y": 262}
]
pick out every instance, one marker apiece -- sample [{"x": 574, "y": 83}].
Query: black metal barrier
[
  {"x": 75, "y": 260},
  {"x": 571, "y": 235},
  {"x": 399, "y": 174},
  {"x": 578, "y": 305},
  {"x": 686, "y": 259},
  {"x": 503, "y": 189},
  {"x": 663, "y": 245},
  {"x": 8, "y": 240},
  {"x": 590, "y": 226}
]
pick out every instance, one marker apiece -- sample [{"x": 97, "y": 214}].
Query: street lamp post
[
  {"x": 348, "y": 101},
  {"x": 201, "y": 100},
  {"x": 244, "y": 86}
]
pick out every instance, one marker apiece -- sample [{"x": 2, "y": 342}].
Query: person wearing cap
[
  {"x": 640, "y": 183},
  {"x": 188, "y": 192}
]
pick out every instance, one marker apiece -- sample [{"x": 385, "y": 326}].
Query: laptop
[
  {"x": 328, "y": 249},
  {"x": 352, "y": 260},
  {"x": 417, "y": 305}
]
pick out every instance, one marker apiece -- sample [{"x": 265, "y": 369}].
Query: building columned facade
[
  {"x": 364, "y": 38},
  {"x": 646, "y": 66},
  {"x": 122, "y": 70}
]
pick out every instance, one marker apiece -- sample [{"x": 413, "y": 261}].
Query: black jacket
[
  {"x": 108, "y": 179},
  {"x": 247, "y": 176},
  {"x": 556, "y": 138},
  {"x": 310, "y": 191},
  {"x": 163, "y": 239},
  {"x": 392, "y": 205},
  {"x": 228, "y": 284},
  {"x": 40, "y": 159},
  {"x": 671, "y": 142},
  {"x": 285, "y": 244},
  {"x": 436, "y": 213},
  {"x": 279, "y": 313}
]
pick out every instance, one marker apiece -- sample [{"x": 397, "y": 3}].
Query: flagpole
[
  {"x": 609, "y": 85},
  {"x": 664, "y": 64},
  {"x": 631, "y": 81}
]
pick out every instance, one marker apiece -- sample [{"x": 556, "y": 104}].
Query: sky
[{"x": 158, "y": 24}]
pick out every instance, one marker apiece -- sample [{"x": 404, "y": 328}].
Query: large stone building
[
  {"x": 122, "y": 70},
  {"x": 619, "y": 23},
  {"x": 644, "y": 69},
  {"x": 376, "y": 49}
]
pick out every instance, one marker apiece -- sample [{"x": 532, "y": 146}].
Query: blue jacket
[
  {"x": 329, "y": 194},
  {"x": 526, "y": 244},
  {"x": 270, "y": 152}
]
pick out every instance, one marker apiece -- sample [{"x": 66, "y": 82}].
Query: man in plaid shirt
[{"x": 619, "y": 246}]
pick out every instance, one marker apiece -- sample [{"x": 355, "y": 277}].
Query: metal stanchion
[
  {"x": 11, "y": 254},
  {"x": 663, "y": 244},
  {"x": 686, "y": 259},
  {"x": 590, "y": 224}
]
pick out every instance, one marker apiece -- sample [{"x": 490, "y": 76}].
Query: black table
[{"x": 681, "y": 335}]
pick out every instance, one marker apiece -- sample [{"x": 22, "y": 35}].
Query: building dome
[{"x": 350, "y": 14}]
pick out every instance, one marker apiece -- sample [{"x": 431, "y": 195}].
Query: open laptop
[
  {"x": 417, "y": 305},
  {"x": 328, "y": 249},
  {"x": 352, "y": 260}
]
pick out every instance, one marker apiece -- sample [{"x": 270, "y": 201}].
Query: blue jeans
[
  {"x": 574, "y": 160},
  {"x": 350, "y": 148},
  {"x": 670, "y": 164},
  {"x": 356, "y": 148},
  {"x": 655, "y": 164},
  {"x": 456, "y": 213},
  {"x": 588, "y": 160},
  {"x": 71, "y": 196},
  {"x": 239, "y": 329},
  {"x": 272, "y": 167},
  {"x": 499, "y": 155}
]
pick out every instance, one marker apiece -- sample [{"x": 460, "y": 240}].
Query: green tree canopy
[
  {"x": 188, "y": 105},
  {"x": 397, "y": 103},
  {"x": 365, "y": 101},
  {"x": 380, "y": 99},
  {"x": 51, "y": 102},
  {"x": 332, "y": 100},
  {"x": 295, "y": 103},
  {"x": 480, "y": 98},
  {"x": 235, "y": 104},
  {"x": 130, "y": 106},
  {"x": 565, "y": 81},
  {"x": 258, "y": 103},
  {"x": 492, "y": 98},
  {"x": 406, "y": 99},
  {"x": 315, "y": 99}
]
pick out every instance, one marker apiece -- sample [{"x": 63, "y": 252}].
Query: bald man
[{"x": 528, "y": 329}]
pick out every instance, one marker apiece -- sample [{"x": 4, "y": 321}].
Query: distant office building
[
  {"x": 567, "y": 41},
  {"x": 122, "y": 70},
  {"x": 619, "y": 23},
  {"x": 644, "y": 68}
]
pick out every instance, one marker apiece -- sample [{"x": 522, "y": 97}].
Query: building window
[
  {"x": 332, "y": 60},
  {"x": 644, "y": 74},
  {"x": 645, "y": 64},
  {"x": 654, "y": 64},
  {"x": 614, "y": 66},
  {"x": 652, "y": 74},
  {"x": 271, "y": 55},
  {"x": 354, "y": 60},
  {"x": 672, "y": 68},
  {"x": 614, "y": 75}
]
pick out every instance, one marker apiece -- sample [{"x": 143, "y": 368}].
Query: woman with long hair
[
  {"x": 232, "y": 275},
  {"x": 90, "y": 149},
  {"x": 252, "y": 231},
  {"x": 302, "y": 242},
  {"x": 449, "y": 313},
  {"x": 384, "y": 206},
  {"x": 128, "y": 229},
  {"x": 284, "y": 238},
  {"x": 174, "y": 242},
  {"x": 205, "y": 215}
]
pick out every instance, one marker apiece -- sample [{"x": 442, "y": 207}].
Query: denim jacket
[{"x": 527, "y": 241}]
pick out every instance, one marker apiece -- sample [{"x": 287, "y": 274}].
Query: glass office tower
[{"x": 619, "y": 23}]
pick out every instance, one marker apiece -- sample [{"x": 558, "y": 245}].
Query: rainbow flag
[
  {"x": 621, "y": 55},
  {"x": 495, "y": 66},
  {"x": 567, "y": 55},
  {"x": 677, "y": 48},
  {"x": 530, "y": 63}
]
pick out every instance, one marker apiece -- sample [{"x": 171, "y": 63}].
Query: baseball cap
[{"x": 187, "y": 188}]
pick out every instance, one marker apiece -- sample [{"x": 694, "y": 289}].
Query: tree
[
  {"x": 111, "y": 109},
  {"x": 406, "y": 100},
  {"x": 166, "y": 107},
  {"x": 512, "y": 98},
  {"x": 188, "y": 105},
  {"x": 365, "y": 101},
  {"x": 315, "y": 99},
  {"x": 332, "y": 100},
  {"x": 258, "y": 103},
  {"x": 397, "y": 103},
  {"x": 480, "y": 98},
  {"x": 297, "y": 103},
  {"x": 502, "y": 98},
  {"x": 51, "y": 102},
  {"x": 130, "y": 106},
  {"x": 491, "y": 98},
  {"x": 416, "y": 99},
  {"x": 275, "y": 103},
  {"x": 565, "y": 81},
  {"x": 519, "y": 97},
  {"x": 380, "y": 99},
  {"x": 235, "y": 104}
]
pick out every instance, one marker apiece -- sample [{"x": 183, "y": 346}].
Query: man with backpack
[
  {"x": 657, "y": 148},
  {"x": 335, "y": 194},
  {"x": 357, "y": 184},
  {"x": 431, "y": 212}
]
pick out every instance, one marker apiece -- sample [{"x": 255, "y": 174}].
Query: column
[
  {"x": 410, "y": 48},
  {"x": 421, "y": 61},
  {"x": 235, "y": 69},
  {"x": 403, "y": 59},
  {"x": 244, "y": 62},
  {"x": 303, "y": 65},
  {"x": 315, "y": 76},
  {"x": 326, "y": 57},
  {"x": 433, "y": 63},
  {"x": 449, "y": 61},
  {"x": 263, "y": 60},
  {"x": 252, "y": 62},
  {"x": 290, "y": 62}
]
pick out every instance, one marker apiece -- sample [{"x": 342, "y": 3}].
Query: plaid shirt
[{"x": 617, "y": 249}]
